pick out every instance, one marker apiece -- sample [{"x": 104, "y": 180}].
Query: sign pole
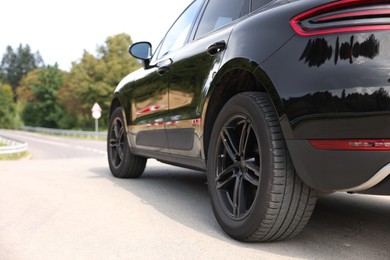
[{"x": 97, "y": 127}]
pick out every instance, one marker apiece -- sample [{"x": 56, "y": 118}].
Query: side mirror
[{"x": 142, "y": 51}]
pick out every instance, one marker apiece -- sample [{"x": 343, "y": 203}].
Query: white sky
[{"x": 62, "y": 29}]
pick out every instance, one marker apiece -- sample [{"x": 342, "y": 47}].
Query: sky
[{"x": 62, "y": 29}]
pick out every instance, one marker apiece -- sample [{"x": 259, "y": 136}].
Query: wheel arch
[
  {"x": 236, "y": 76},
  {"x": 115, "y": 103}
]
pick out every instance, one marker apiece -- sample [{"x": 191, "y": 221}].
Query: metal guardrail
[
  {"x": 75, "y": 133},
  {"x": 12, "y": 146}
]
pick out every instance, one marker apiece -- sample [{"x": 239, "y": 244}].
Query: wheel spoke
[
  {"x": 252, "y": 166},
  {"x": 223, "y": 179},
  {"x": 121, "y": 133},
  {"x": 254, "y": 180},
  {"x": 120, "y": 152},
  {"x": 239, "y": 197},
  {"x": 114, "y": 157},
  {"x": 113, "y": 142},
  {"x": 246, "y": 130},
  {"x": 116, "y": 131},
  {"x": 229, "y": 145}
]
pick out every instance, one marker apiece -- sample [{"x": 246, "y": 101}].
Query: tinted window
[
  {"x": 256, "y": 4},
  {"x": 177, "y": 35},
  {"x": 221, "y": 12}
]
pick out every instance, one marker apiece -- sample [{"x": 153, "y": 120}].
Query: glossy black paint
[
  {"x": 334, "y": 86},
  {"x": 345, "y": 76}
]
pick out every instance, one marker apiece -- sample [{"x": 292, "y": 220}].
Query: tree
[
  {"x": 25, "y": 88},
  {"x": 7, "y": 107},
  {"x": 84, "y": 85},
  {"x": 45, "y": 110},
  {"x": 93, "y": 79},
  {"x": 118, "y": 63},
  {"x": 16, "y": 64}
]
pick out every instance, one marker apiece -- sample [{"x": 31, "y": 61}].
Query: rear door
[{"x": 191, "y": 70}]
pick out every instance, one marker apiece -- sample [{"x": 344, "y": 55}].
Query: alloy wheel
[
  {"x": 117, "y": 142},
  {"x": 237, "y": 175}
]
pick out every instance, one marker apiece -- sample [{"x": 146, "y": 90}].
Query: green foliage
[
  {"x": 84, "y": 86},
  {"x": 93, "y": 79},
  {"x": 116, "y": 58},
  {"x": 7, "y": 107},
  {"x": 49, "y": 97},
  {"x": 45, "y": 110},
  {"x": 16, "y": 64},
  {"x": 24, "y": 91}
]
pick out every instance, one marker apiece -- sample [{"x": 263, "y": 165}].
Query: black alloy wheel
[
  {"x": 123, "y": 164},
  {"x": 238, "y": 167},
  {"x": 117, "y": 142},
  {"x": 255, "y": 193}
]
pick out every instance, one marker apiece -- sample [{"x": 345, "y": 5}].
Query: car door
[
  {"x": 149, "y": 103},
  {"x": 191, "y": 69},
  {"x": 149, "y": 95}
]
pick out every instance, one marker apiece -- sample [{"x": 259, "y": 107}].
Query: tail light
[
  {"x": 352, "y": 145},
  {"x": 343, "y": 16}
]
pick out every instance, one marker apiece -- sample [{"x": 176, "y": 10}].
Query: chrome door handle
[{"x": 216, "y": 48}]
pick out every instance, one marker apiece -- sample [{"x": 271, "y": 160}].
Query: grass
[
  {"x": 88, "y": 137},
  {"x": 13, "y": 156}
]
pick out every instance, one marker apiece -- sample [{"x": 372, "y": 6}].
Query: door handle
[
  {"x": 162, "y": 70},
  {"x": 216, "y": 48},
  {"x": 163, "y": 66}
]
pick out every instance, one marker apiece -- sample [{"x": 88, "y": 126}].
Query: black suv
[{"x": 278, "y": 101}]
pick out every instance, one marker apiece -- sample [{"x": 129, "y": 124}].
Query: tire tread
[{"x": 291, "y": 201}]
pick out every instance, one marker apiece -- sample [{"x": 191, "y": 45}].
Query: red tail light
[
  {"x": 352, "y": 145},
  {"x": 343, "y": 16}
]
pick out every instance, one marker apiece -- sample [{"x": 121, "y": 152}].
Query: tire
[
  {"x": 123, "y": 164},
  {"x": 255, "y": 193}
]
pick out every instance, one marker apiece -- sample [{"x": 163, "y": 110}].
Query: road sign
[{"x": 96, "y": 111}]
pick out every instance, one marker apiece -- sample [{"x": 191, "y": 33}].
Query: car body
[{"x": 304, "y": 83}]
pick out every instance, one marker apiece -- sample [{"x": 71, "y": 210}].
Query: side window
[
  {"x": 256, "y": 4},
  {"x": 177, "y": 35},
  {"x": 219, "y": 13}
]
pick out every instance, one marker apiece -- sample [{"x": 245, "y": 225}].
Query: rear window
[
  {"x": 218, "y": 13},
  {"x": 257, "y": 4}
]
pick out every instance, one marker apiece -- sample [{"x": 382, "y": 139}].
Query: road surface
[
  {"x": 55, "y": 147},
  {"x": 63, "y": 203}
]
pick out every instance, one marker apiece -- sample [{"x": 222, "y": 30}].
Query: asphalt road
[
  {"x": 55, "y": 147},
  {"x": 63, "y": 203}
]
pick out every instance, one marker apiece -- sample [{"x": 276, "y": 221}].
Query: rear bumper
[
  {"x": 376, "y": 181},
  {"x": 352, "y": 171}
]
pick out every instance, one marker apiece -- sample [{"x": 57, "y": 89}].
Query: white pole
[{"x": 96, "y": 127}]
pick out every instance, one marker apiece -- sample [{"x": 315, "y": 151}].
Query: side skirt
[{"x": 176, "y": 160}]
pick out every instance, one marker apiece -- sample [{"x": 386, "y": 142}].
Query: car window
[
  {"x": 219, "y": 13},
  {"x": 177, "y": 35},
  {"x": 256, "y": 4}
]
